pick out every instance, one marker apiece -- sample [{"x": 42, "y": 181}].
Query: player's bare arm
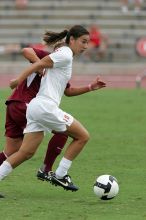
[
  {"x": 96, "y": 84},
  {"x": 30, "y": 55},
  {"x": 46, "y": 62}
]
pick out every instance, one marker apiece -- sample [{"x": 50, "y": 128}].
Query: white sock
[
  {"x": 63, "y": 168},
  {"x": 5, "y": 169}
]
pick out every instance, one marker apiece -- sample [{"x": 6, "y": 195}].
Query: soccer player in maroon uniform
[{"x": 16, "y": 115}]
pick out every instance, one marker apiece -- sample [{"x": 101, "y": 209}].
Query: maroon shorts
[{"x": 15, "y": 119}]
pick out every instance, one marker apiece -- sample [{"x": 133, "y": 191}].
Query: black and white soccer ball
[{"x": 106, "y": 187}]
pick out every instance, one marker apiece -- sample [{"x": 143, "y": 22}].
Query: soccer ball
[{"x": 106, "y": 187}]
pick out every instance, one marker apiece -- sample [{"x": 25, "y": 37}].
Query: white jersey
[{"x": 55, "y": 80}]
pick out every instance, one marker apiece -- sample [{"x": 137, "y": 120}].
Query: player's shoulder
[{"x": 65, "y": 49}]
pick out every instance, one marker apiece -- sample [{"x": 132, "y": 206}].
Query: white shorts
[{"x": 45, "y": 115}]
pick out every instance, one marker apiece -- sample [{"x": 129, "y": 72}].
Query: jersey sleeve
[
  {"x": 40, "y": 53},
  {"x": 61, "y": 57}
]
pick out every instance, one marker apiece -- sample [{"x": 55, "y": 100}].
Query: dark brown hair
[{"x": 76, "y": 32}]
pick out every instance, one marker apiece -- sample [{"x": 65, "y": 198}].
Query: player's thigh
[
  {"x": 12, "y": 145},
  {"x": 31, "y": 141},
  {"x": 77, "y": 130}
]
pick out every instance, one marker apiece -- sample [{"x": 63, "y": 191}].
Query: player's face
[{"x": 80, "y": 44}]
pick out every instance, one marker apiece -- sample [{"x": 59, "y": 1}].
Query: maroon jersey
[{"x": 28, "y": 89}]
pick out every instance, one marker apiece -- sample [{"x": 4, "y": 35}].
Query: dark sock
[
  {"x": 2, "y": 157},
  {"x": 55, "y": 147}
]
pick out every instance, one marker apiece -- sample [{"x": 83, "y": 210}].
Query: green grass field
[{"x": 116, "y": 120}]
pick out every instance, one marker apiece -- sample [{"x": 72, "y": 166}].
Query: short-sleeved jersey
[
  {"x": 55, "y": 80},
  {"x": 28, "y": 89}
]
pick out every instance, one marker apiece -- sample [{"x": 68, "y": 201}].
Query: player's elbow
[
  {"x": 26, "y": 51},
  {"x": 68, "y": 92}
]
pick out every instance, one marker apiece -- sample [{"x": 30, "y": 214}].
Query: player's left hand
[{"x": 97, "y": 84}]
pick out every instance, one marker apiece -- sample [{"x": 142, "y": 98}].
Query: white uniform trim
[{"x": 30, "y": 79}]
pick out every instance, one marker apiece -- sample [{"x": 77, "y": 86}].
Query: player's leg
[
  {"x": 29, "y": 146},
  {"x": 80, "y": 137},
  {"x": 14, "y": 125},
  {"x": 55, "y": 146},
  {"x": 3, "y": 157},
  {"x": 12, "y": 145}
]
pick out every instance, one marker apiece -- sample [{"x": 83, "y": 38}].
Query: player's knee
[{"x": 85, "y": 137}]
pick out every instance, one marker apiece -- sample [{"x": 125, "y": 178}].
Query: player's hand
[
  {"x": 97, "y": 84},
  {"x": 41, "y": 72},
  {"x": 13, "y": 83}
]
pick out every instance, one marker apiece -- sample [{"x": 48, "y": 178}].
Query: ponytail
[{"x": 52, "y": 37}]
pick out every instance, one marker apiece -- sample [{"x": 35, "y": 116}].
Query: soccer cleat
[
  {"x": 41, "y": 175},
  {"x": 65, "y": 182}
]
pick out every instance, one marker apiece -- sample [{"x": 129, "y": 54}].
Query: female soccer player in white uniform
[{"x": 43, "y": 112}]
